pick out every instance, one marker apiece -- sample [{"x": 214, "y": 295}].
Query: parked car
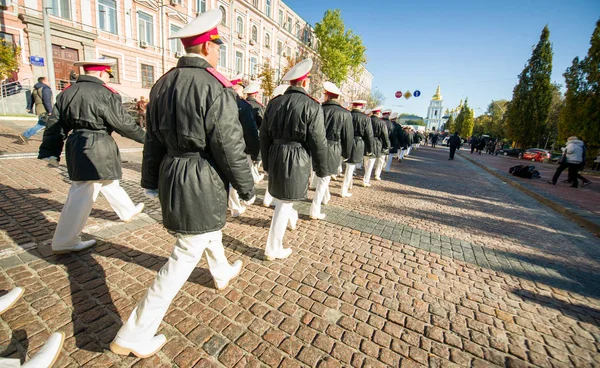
[
  {"x": 445, "y": 141},
  {"x": 536, "y": 155},
  {"x": 515, "y": 152}
]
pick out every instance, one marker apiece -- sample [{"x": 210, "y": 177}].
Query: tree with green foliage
[
  {"x": 527, "y": 115},
  {"x": 450, "y": 124},
  {"x": 376, "y": 98},
  {"x": 340, "y": 50},
  {"x": 581, "y": 113},
  {"x": 267, "y": 79},
  {"x": 482, "y": 125},
  {"x": 9, "y": 58},
  {"x": 465, "y": 121},
  {"x": 496, "y": 111}
]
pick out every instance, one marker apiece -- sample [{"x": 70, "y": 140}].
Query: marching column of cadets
[{"x": 218, "y": 142}]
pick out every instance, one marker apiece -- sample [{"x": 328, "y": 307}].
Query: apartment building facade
[{"x": 135, "y": 32}]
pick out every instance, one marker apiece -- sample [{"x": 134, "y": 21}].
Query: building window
[
  {"x": 253, "y": 66},
  {"x": 115, "y": 68},
  {"x": 267, "y": 40},
  {"x": 107, "y": 15},
  {"x": 279, "y": 47},
  {"x": 255, "y": 3},
  {"x": 289, "y": 24},
  {"x": 146, "y": 28},
  {"x": 176, "y": 45},
  {"x": 201, "y": 6},
  {"x": 268, "y": 8},
  {"x": 280, "y": 17},
  {"x": 240, "y": 25},
  {"x": 239, "y": 62},
  {"x": 254, "y": 34},
  {"x": 288, "y": 52},
  {"x": 223, "y": 56},
  {"x": 61, "y": 8},
  {"x": 224, "y": 17},
  {"x": 298, "y": 32},
  {"x": 147, "y": 76},
  {"x": 9, "y": 38}
]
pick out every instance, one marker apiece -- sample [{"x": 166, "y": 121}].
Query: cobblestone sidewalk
[{"x": 439, "y": 264}]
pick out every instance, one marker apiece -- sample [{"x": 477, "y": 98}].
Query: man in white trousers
[
  {"x": 390, "y": 126},
  {"x": 89, "y": 111},
  {"x": 194, "y": 149},
  {"x": 339, "y": 133},
  {"x": 293, "y": 131},
  {"x": 47, "y": 355},
  {"x": 362, "y": 143},
  {"x": 258, "y": 112}
]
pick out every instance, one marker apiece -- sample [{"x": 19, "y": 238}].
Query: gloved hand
[
  {"x": 250, "y": 201},
  {"x": 52, "y": 161},
  {"x": 151, "y": 193}
]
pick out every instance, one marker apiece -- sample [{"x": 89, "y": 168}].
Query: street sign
[
  {"x": 417, "y": 93},
  {"x": 407, "y": 94},
  {"x": 398, "y": 94},
  {"x": 36, "y": 60}
]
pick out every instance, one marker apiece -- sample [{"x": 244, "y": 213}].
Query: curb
[
  {"x": 17, "y": 118},
  {"x": 582, "y": 217}
]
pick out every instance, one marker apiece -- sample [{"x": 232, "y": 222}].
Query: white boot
[
  {"x": 83, "y": 245},
  {"x": 138, "y": 209},
  {"x": 142, "y": 349},
  {"x": 235, "y": 270},
  {"x": 48, "y": 354},
  {"x": 9, "y": 299},
  {"x": 283, "y": 254}
]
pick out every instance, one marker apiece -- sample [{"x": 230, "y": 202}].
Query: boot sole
[
  {"x": 227, "y": 284},
  {"x": 62, "y": 342},
  {"x": 118, "y": 349},
  {"x": 134, "y": 215},
  {"x": 57, "y": 252},
  {"x": 14, "y": 302}
]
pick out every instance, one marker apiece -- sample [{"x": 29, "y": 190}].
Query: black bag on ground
[{"x": 523, "y": 171}]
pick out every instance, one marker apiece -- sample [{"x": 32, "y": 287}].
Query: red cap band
[
  {"x": 97, "y": 68},
  {"x": 236, "y": 81},
  {"x": 211, "y": 35},
  {"x": 301, "y": 78}
]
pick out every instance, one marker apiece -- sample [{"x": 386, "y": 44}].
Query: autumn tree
[
  {"x": 528, "y": 112},
  {"x": 496, "y": 110},
  {"x": 267, "y": 79},
  {"x": 450, "y": 124},
  {"x": 340, "y": 50},
  {"x": 9, "y": 58},
  {"x": 465, "y": 121}
]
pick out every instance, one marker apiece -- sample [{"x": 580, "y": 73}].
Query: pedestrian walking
[
  {"x": 396, "y": 140},
  {"x": 141, "y": 106},
  {"x": 339, "y": 133},
  {"x": 85, "y": 115},
  {"x": 596, "y": 165},
  {"x": 434, "y": 140},
  {"x": 293, "y": 131},
  {"x": 40, "y": 103},
  {"x": 454, "y": 142},
  {"x": 386, "y": 114},
  {"x": 571, "y": 159},
  {"x": 381, "y": 144},
  {"x": 258, "y": 112},
  {"x": 361, "y": 146},
  {"x": 193, "y": 151}
]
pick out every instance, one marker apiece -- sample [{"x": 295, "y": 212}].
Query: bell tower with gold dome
[{"x": 434, "y": 117}]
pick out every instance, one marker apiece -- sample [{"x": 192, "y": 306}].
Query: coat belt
[
  {"x": 179, "y": 154},
  {"x": 287, "y": 143},
  {"x": 99, "y": 131}
]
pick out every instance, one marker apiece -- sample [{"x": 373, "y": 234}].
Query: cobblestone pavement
[{"x": 439, "y": 264}]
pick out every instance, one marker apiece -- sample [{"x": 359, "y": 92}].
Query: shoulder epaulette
[
  {"x": 110, "y": 89},
  {"x": 220, "y": 77},
  {"x": 67, "y": 87}
]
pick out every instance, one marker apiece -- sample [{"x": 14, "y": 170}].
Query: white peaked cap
[
  {"x": 101, "y": 62},
  {"x": 252, "y": 88},
  {"x": 376, "y": 109},
  {"x": 359, "y": 102},
  {"x": 368, "y": 111},
  {"x": 387, "y": 111},
  {"x": 299, "y": 71},
  {"x": 280, "y": 89},
  {"x": 394, "y": 115},
  {"x": 331, "y": 88},
  {"x": 203, "y": 23}
]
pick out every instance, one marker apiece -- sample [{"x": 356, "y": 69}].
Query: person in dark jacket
[
  {"x": 251, "y": 91},
  {"x": 85, "y": 115},
  {"x": 396, "y": 140},
  {"x": 362, "y": 143},
  {"x": 40, "y": 103},
  {"x": 194, "y": 149},
  {"x": 339, "y": 134},
  {"x": 390, "y": 127},
  {"x": 246, "y": 117},
  {"x": 381, "y": 146},
  {"x": 454, "y": 142},
  {"x": 293, "y": 131}
]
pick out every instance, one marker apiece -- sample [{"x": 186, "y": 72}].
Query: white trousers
[
  {"x": 379, "y": 163},
  {"x": 388, "y": 165},
  {"x": 78, "y": 206},
  {"x": 254, "y": 170},
  {"x": 408, "y": 150},
  {"x": 347, "y": 184},
  {"x": 10, "y": 363},
  {"x": 235, "y": 205},
  {"x": 322, "y": 195},
  {"x": 145, "y": 319},
  {"x": 401, "y": 154},
  {"x": 284, "y": 212},
  {"x": 313, "y": 180},
  {"x": 369, "y": 163},
  {"x": 268, "y": 199}
]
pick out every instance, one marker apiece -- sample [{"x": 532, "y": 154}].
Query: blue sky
[{"x": 472, "y": 48}]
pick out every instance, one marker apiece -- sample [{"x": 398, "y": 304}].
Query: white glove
[
  {"x": 250, "y": 201},
  {"x": 52, "y": 161},
  {"x": 151, "y": 193}
]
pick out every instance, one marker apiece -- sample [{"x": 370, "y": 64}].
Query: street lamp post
[{"x": 48, "y": 44}]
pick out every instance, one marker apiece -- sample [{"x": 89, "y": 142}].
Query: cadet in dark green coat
[{"x": 362, "y": 144}]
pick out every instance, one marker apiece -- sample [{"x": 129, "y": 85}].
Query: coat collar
[
  {"x": 193, "y": 62},
  {"x": 89, "y": 78},
  {"x": 331, "y": 102},
  {"x": 294, "y": 89}
]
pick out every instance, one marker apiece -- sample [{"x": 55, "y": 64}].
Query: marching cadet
[
  {"x": 396, "y": 140},
  {"x": 258, "y": 110},
  {"x": 390, "y": 127},
  {"x": 85, "y": 115},
  {"x": 194, "y": 149},
  {"x": 381, "y": 142},
  {"x": 293, "y": 131},
  {"x": 252, "y": 149},
  {"x": 362, "y": 143},
  {"x": 340, "y": 135}
]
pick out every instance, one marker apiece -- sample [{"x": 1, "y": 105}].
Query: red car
[{"x": 536, "y": 154}]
